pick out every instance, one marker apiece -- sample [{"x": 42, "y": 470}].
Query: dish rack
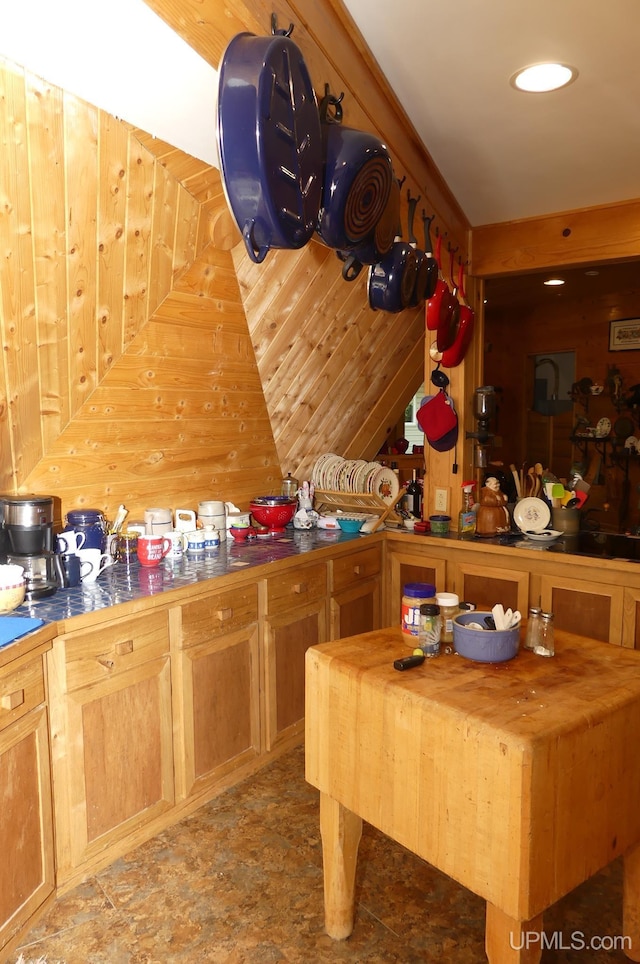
[{"x": 367, "y": 502}]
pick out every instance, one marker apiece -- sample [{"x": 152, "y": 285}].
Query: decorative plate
[
  {"x": 603, "y": 428},
  {"x": 632, "y": 444},
  {"x": 531, "y": 515},
  {"x": 385, "y": 484}
]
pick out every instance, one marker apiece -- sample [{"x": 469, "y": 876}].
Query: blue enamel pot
[
  {"x": 270, "y": 142},
  {"x": 356, "y": 181}
]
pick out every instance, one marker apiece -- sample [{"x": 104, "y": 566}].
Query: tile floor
[{"x": 241, "y": 881}]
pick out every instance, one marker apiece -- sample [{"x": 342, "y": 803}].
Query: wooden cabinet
[
  {"x": 407, "y": 562},
  {"x": 586, "y": 607},
  {"x": 216, "y": 677},
  {"x": 296, "y": 618},
  {"x": 488, "y": 580},
  {"x": 355, "y": 604},
  {"x": 27, "y": 870},
  {"x": 112, "y": 745}
]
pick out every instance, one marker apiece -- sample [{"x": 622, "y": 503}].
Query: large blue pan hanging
[{"x": 270, "y": 142}]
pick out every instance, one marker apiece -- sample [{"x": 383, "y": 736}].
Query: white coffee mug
[
  {"x": 158, "y": 521},
  {"x": 70, "y": 541},
  {"x": 99, "y": 562},
  {"x": 177, "y": 539}
]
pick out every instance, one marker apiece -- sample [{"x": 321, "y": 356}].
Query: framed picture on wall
[{"x": 624, "y": 335}]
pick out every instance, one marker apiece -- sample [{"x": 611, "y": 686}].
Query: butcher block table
[{"x": 519, "y": 780}]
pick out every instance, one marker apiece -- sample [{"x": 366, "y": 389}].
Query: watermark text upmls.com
[{"x": 575, "y": 941}]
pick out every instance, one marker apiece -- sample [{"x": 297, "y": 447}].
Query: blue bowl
[
  {"x": 484, "y": 645},
  {"x": 350, "y": 525}
]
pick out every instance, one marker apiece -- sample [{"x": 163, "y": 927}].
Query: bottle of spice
[
  {"x": 546, "y": 643},
  {"x": 449, "y": 604},
  {"x": 415, "y": 595},
  {"x": 533, "y": 628},
  {"x": 430, "y": 630}
]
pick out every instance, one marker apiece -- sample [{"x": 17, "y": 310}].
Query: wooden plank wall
[{"x": 128, "y": 371}]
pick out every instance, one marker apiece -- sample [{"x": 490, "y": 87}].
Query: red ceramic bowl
[
  {"x": 241, "y": 533},
  {"x": 276, "y": 515}
]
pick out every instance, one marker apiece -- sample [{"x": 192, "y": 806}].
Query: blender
[{"x": 27, "y": 541}]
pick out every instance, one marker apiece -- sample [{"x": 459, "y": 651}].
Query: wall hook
[{"x": 274, "y": 28}]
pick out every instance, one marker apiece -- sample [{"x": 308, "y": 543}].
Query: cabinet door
[
  {"x": 356, "y": 593},
  {"x": 485, "y": 585},
  {"x": 406, "y": 565},
  {"x": 584, "y": 607},
  {"x": 112, "y": 738},
  {"x": 27, "y": 877},
  {"x": 287, "y": 638},
  {"x": 217, "y": 689}
]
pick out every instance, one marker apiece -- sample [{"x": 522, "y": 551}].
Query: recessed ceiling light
[
  {"x": 553, "y": 282},
  {"x": 540, "y": 78}
]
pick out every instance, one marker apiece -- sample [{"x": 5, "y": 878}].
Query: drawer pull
[
  {"x": 106, "y": 662},
  {"x": 356, "y": 570},
  {"x": 223, "y": 614},
  {"x": 11, "y": 700},
  {"x": 300, "y": 587},
  {"x": 123, "y": 648}
]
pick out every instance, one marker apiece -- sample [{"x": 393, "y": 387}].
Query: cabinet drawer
[
  {"x": 221, "y": 612},
  {"x": 354, "y": 568},
  {"x": 96, "y": 654},
  {"x": 20, "y": 690},
  {"x": 296, "y": 587}
]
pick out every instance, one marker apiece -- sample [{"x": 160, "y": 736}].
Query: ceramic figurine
[{"x": 493, "y": 515}]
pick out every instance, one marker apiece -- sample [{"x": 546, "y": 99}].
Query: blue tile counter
[{"x": 122, "y": 583}]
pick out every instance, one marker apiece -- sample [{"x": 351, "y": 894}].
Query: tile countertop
[{"x": 123, "y": 583}]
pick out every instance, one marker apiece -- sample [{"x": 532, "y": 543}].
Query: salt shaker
[
  {"x": 533, "y": 628},
  {"x": 545, "y": 645}
]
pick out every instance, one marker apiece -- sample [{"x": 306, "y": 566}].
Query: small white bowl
[
  {"x": 409, "y": 524},
  {"x": 11, "y": 575}
]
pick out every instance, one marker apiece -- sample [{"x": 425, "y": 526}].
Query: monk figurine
[{"x": 493, "y": 516}]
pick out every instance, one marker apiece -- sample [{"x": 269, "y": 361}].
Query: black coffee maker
[{"x": 27, "y": 531}]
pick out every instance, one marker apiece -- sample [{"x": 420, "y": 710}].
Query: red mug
[{"x": 152, "y": 549}]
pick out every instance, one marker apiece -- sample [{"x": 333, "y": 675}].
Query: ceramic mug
[
  {"x": 177, "y": 540},
  {"x": 158, "y": 521},
  {"x": 97, "y": 559},
  {"x": 153, "y": 549},
  {"x": 74, "y": 568},
  {"x": 70, "y": 541}
]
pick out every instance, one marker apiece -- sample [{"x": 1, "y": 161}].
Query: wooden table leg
[
  {"x": 341, "y": 831},
  {"x": 631, "y": 903},
  {"x": 509, "y": 941}
]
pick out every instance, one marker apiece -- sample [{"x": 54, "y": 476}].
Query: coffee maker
[{"x": 27, "y": 540}]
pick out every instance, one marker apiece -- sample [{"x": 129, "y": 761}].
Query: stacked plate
[{"x": 332, "y": 473}]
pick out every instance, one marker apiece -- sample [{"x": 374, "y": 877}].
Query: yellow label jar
[{"x": 415, "y": 594}]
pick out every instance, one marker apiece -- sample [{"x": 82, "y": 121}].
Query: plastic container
[
  {"x": 439, "y": 524},
  {"x": 449, "y": 604},
  {"x": 415, "y": 595}
]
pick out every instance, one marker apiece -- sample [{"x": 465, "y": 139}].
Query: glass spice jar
[
  {"x": 430, "y": 630},
  {"x": 546, "y": 642},
  {"x": 533, "y": 628}
]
